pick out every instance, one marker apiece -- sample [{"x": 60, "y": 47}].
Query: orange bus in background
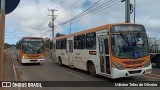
[
  {"x": 113, "y": 50},
  {"x": 30, "y": 50}
]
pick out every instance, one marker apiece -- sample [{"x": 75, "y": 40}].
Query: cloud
[
  {"x": 31, "y": 16},
  {"x": 28, "y": 16}
]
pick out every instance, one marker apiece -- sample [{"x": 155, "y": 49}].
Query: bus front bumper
[
  {"x": 32, "y": 60},
  {"x": 128, "y": 73}
]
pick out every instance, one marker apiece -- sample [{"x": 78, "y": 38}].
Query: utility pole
[
  {"x": 127, "y": 11},
  {"x": 2, "y": 30},
  {"x": 70, "y": 27},
  {"x": 134, "y": 11},
  {"x": 51, "y": 24}
]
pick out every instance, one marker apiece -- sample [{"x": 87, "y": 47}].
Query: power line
[
  {"x": 42, "y": 34},
  {"x": 80, "y": 13},
  {"x": 44, "y": 20},
  {"x": 45, "y": 15},
  {"x": 114, "y": 3},
  {"x": 76, "y": 1},
  {"x": 99, "y": 7}
]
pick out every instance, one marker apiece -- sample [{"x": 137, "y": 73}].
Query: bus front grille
[
  {"x": 134, "y": 72},
  {"x": 33, "y": 60}
]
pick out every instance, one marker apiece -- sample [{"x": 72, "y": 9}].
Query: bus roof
[
  {"x": 32, "y": 37},
  {"x": 83, "y": 32},
  {"x": 91, "y": 30}
]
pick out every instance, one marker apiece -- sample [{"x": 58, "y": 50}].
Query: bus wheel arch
[
  {"x": 91, "y": 68},
  {"x": 60, "y": 61}
]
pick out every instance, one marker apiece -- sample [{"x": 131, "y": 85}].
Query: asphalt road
[{"x": 51, "y": 71}]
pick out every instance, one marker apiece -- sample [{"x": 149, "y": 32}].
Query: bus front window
[
  {"x": 32, "y": 47},
  {"x": 129, "y": 45}
]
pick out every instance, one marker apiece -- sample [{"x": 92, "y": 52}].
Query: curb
[{"x": 15, "y": 73}]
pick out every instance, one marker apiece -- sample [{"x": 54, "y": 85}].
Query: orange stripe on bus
[{"x": 92, "y": 52}]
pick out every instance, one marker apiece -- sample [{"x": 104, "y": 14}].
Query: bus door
[
  {"x": 104, "y": 54},
  {"x": 70, "y": 52}
]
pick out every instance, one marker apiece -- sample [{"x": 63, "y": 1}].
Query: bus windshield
[
  {"x": 129, "y": 45},
  {"x": 33, "y": 46}
]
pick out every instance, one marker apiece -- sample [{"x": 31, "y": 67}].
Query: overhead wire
[
  {"x": 94, "y": 12},
  {"x": 88, "y": 11}
]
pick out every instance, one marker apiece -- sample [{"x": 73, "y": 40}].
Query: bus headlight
[
  {"x": 147, "y": 64},
  {"x": 24, "y": 57},
  {"x": 118, "y": 66},
  {"x": 41, "y": 57}
]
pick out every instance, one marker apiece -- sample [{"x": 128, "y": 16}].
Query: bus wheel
[
  {"x": 38, "y": 63},
  {"x": 91, "y": 69},
  {"x": 59, "y": 61},
  {"x": 158, "y": 62}
]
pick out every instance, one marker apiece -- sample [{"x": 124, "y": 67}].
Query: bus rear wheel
[
  {"x": 91, "y": 69},
  {"x": 158, "y": 62},
  {"x": 60, "y": 61}
]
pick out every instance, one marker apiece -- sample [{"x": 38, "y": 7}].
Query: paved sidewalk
[{"x": 8, "y": 72}]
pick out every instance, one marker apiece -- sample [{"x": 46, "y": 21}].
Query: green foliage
[
  {"x": 59, "y": 34},
  {"x": 6, "y": 45},
  {"x": 47, "y": 42}
]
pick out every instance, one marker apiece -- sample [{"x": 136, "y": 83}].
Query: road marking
[
  {"x": 75, "y": 74},
  {"x": 152, "y": 77},
  {"x": 15, "y": 73},
  {"x": 155, "y": 75}
]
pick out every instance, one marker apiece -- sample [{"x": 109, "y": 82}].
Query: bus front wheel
[{"x": 91, "y": 69}]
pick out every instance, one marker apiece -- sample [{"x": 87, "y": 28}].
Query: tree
[
  {"x": 6, "y": 45},
  {"x": 59, "y": 34},
  {"x": 46, "y": 43}
]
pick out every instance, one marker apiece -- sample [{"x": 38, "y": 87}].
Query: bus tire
[
  {"x": 91, "y": 69},
  {"x": 38, "y": 63},
  {"x": 157, "y": 62},
  {"x": 60, "y": 61}
]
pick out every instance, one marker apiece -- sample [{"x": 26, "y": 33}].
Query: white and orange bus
[
  {"x": 113, "y": 50},
  {"x": 30, "y": 50}
]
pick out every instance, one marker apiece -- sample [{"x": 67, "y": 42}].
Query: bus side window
[
  {"x": 57, "y": 44},
  {"x": 75, "y": 42},
  {"x": 61, "y": 44},
  {"x": 64, "y": 43},
  {"x": 81, "y": 41},
  {"x": 106, "y": 46},
  {"x": 91, "y": 41}
]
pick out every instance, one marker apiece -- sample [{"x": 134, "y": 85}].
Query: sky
[{"x": 31, "y": 17}]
